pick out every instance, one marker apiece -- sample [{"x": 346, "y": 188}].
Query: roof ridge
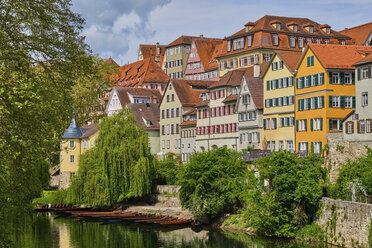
[{"x": 361, "y": 25}]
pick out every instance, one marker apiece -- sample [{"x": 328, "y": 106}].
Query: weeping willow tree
[{"x": 118, "y": 168}]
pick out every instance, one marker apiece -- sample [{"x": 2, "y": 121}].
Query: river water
[{"x": 49, "y": 231}]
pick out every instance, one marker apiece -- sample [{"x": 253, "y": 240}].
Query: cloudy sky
[{"x": 115, "y": 28}]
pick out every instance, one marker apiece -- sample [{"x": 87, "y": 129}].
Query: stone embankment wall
[
  {"x": 167, "y": 196},
  {"x": 345, "y": 223},
  {"x": 340, "y": 151}
]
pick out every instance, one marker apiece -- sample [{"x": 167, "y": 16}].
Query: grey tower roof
[{"x": 73, "y": 131}]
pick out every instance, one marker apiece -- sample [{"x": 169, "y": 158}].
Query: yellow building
[
  {"x": 75, "y": 141},
  {"x": 325, "y": 92},
  {"x": 278, "y": 114}
]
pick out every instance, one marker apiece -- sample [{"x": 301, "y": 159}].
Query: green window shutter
[
  {"x": 271, "y": 102},
  {"x": 277, "y": 83},
  {"x": 342, "y": 98},
  {"x": 307, "y": 146},
  {"x": 305, "y": 124},
  {"x": 297, "y": 85},
  {"x": 286, "y": 81},
  {"x": 292, "y": 99},
  {"x": 309, "y": 80},
  {"x": 302, "y": 82},
  {"x": 322, "y": 81},
  {"x": 353, "y": 78},
  {"x": 353, "y": 102},
  {"x": 264, "y": 124},
  {"x": 330, "y": 77},
  {"x": 268, "y": 85},
  {"x": 316, "y": 102},
  {"x": 312, "y": 60},
  {"x": 330, "y": 124},
  {"x": 275, "y": 125},
  {"x": 321, "y": 123},
  {"x": 311, "y": 124},
  {"x": 299, "y": 105},
  {"x": 302, "y": 104},
  {"x": 297, "y": 125},
  {"x": 320, "y": 145},
  {"x": 322, "y": 105},
  {"x": 316, "y": 79},
  {"x": 340, "y": 127},
  {"x": 281, "y": 122},
  {"x": 342, "y": 78},
  {"x": 309, "y": 103},
  {"x": 330, "y": 101},
  {"x": 272, "y": 83},
  {"x": 308, "y": 61}
]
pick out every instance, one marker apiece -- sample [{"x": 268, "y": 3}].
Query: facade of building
[
  {"x": 250, "y": 108},
  {"x": 147, "y": 116},
  {"x": 188, "y": 134},
  {"x": 360, "y": 35},
  {"x": 257, "y": 41},
  {"x": 279, "y": 107},
  {"x": 145, "y": 73},
  {"x": 324, "y": 93},
  {"x": 121, "y": 96},
  {"x": 201, "y": 62},
  {"x": 156, "y": 52},
  {"x": 357, "y": 126},
  {"x": 180, "y": 97},
  {"x": 75, "y": 141}
]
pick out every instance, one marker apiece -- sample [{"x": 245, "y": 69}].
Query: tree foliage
[
  {"x": 168, "y": 169},
  {"x": 118, "y": 168},
  {"x": 285, "y": 195},
  {"x": 354, "y": 173},
  {"x": 212, "y": 181}
]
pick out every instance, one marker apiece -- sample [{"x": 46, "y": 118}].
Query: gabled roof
[
  {"x": 188, "y": 91},
  {"x": 89, "y": 130},
  {"x": 230, "y": 98},
  {"x": 255, "y": 86},
  {"x": 358, "y": 34},
  {"x": 143, "y": 71},
  {"x": 206, "y": 50},
  {"x": 365, "y": 60},
  {"x": 183, "y": 39},
  {"x": 124, "y": 98},
  {"x": 263, "y": 29},
  {"x": 290, "y": 59},
  {"x": 234, "y": 78},
  {"x": 146, "y": 111},
  {"x": 150, "y": 51},
  {"x": 110, "y": 60},
  {"x": 338, "y": 56}
]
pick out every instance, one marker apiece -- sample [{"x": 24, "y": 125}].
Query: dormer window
[
  {"x": 229, "y": 45},
  {"x": 250, "y": 40},
  {"x": 238, "y": 43},
  {"x": 300, "y": 42},
  {"x": 326, "y": 41},
  {"x": 278, "y": 26},
  {"x": 295, "y": 28},
  {"x": 292, "y": 42},
  {"x": 328, "y": 30},
  {"x": 342, "y": 42},
  {"x": 275, "y": 39},
  {"x": 311, "y": 29}
]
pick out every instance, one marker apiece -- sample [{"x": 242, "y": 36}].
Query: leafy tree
[
  {"x": 118, "y": 168},
  {"x": 168, "y": 169},
  {"x": 354, "y": 172},
  {"x": 212, "y": 181},
  {"x": 285, "y": 195}
]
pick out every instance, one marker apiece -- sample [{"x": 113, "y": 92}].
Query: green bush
[
  {"x": 311, "y": 232},
  {"x": 284, "y": 195},
  {"x": 212, "y": 181},
  {"x": 168, "y": 170}
]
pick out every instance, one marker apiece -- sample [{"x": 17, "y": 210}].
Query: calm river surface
[{"x": 49, "y": 232}]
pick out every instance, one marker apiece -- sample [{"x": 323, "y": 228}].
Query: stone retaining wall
[{"x": 345, "y": 223}]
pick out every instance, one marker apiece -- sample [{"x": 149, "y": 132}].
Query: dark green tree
[
  {"x": 212, "y": 181},
  {"x": 284, "y": 194},
  {"x": 118, "y": 168}
]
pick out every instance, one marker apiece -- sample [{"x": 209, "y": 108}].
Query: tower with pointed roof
[{"x": 75, "y": 141}]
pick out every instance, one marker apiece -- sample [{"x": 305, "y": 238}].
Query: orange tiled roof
[
  {"x": 206, "y": 50},
  {"x": 230, "y": 98},
  {"x": 183, "y": 39},
  {"x": 110, "y": 60},
  {"x": 255, "y": 86},
  {"x": 202, "y": 104},
  {"x": 290, "y": 58},
  {"x": 365, "y": 60},
  {"x": 124, "y": 92},
  {"x": 147, "y": 111},
  {"x": 143, "y": 71},
  {"x": 339, "y": 56},
  {"x": 263, "y": 29},
  {"x": 150, "y": 51},
  {"x": 188, "y": 123},
  {"x": 188, "y": 91},
  {"x": 358, "y": 34},
  {"x": 190, "y": 112}
]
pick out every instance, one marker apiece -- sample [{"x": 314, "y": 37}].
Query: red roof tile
[
  {"x": 188, "y": 91},
  {"x": 359, "y": 34},
  {"x": 290, "y": 58},
  {"x": 150, "y": 51},
  {"x": 124, "y": 92},
  {"x": 365, "y": 60},
  {"x": 110, "y": 60},
  {"x": 184, "y": 39},
  {"x": 339, "y": 56},
  {"x": 230, "y": 98},
  {"x": 255, "y": 86},
  {"x": 190, "y": 112},
  {"x": 143, "y": 71},
  {"x": 188, "y": 123},
  {"x": 206, "y": 50}
]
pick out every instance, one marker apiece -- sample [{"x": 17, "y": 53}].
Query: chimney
[
  {"x": 201, "y": 36},
  {"x": 256, "y": 70},
  {"x": 157, "y": 48}
]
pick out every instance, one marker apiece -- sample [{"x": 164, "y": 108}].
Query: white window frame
[{"x": 364, "y": 99}]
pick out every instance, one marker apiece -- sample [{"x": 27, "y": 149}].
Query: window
[
  {"x": 72, "y": 144},
  {"x": 246, "y": 99},
  {"x": 266, "y": 57},
  {"x": 222, "y": 65},
  {"x": 274, "y": 66},
  {"x": 278, "y": 25},
  {"x": 162, "y": 144},
  {"x": 303, "y": 146},
  {"x": 256, "y": 59},
  {"x": 281, "y": 145},
  {"x": 362, "y": 128},
  {"x": 317, "y": 146},
  {"x": 349, "y": 127},
  {"x": 249, "y": 60},
  {"x": 348, "y": 78},
  {"x": 72, "y": 159},
  {"x": 85, "y": 144},
  {"x": 311, "y": 29},
  {"x": 335, "y": 124},
  {"x": 235, "y": 63},
  {"x": 301, "y": 125},
  {"x": 229, "y": 45},
  {"x": 292, "y": 42},
  {"x": 365, "y": 73},
  {"x": 300, "y": 42},
  {"x": 168, "y": 144},
  {"x": 310, "y": 61},
  {"x": 295, "y": 28},
  {"x": 348, "y": 102},
  {"x": 249, "y": 40},
  {"x": 335, "y": 101},
  {"x": 336, "y": 78},
  {"x": 290, "y": 145},
  {"x": 275, "y": 40},
  {"x": 308, "y": 40},
  {"x": 242, "y": 61},
  {"x": 364, "y": 99},
  {"x": 368, "y": 126},
  {"x": 326, "y": 41},
  {"x": 316, "y": 124}
]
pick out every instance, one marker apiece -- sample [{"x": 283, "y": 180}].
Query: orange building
[{"x": 324, "y": 92}]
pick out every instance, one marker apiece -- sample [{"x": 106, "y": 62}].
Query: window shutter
[
  {"x": 330, "y": 124},
  {"x": 359, "y": 73},
  {"x": 312, "y": 60},
  {"x": 311, "y": 124},
  {"x": 322, "y": 102},
  {"x": 358, "y": 126},
  {"x": 297, "y": 85},
  {"x": 342, "y": 98},
  {"x": 271, "y": 102},
  {"x": 353, "y": 102},
  {"x": 352, "y": 127},
  {"x": 309, "y": 103},
  {"x": 340, "y": 125},
  {"x": 281, "y": 122},
  {"x": 347, "y": 127},
  {"x": 352, "y": 78},
  {"x": 268, "y": 85},
  {"x": 330, "y": 77},
  {"x": 272, "y": 84},
  {"x": 342, "y": 78},
  {"x": 316, "y": 102},
  {"x": 308, "y": 61},
  {"x": 330, "y": 101},
  {"x": 307, "y": 146},
  {"x": 276, "y": 84},
  {"x": 275, "y": 123},
  {"x": 320, "y": 146},
  {"x": 309, "y": 81},
  {"x": 321, "y": 123},
  {"x": 297, "y": 125},
  {"x": 305, "y": 124},
  {"x": 316, "y": 79},
  {"x": 322, "y": 81},
  {"x": 264, "y": 124},
  {"x": 302, "y": 82}
]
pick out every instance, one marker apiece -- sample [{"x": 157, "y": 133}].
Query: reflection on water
[{"x": 49, "y": 232}]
